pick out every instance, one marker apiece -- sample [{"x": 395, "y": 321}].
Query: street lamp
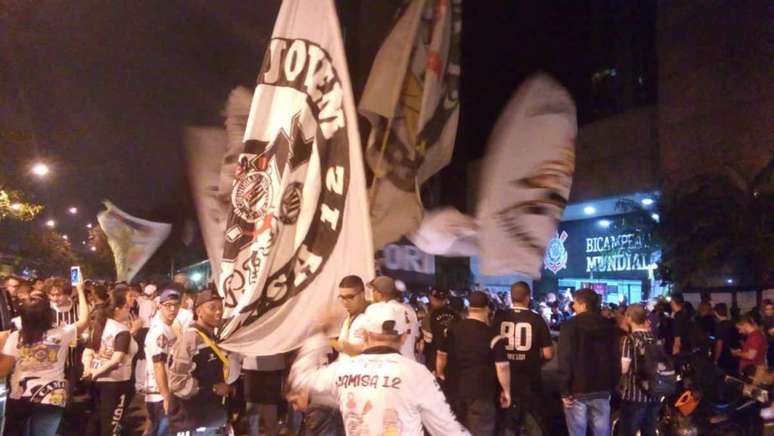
[
  {"x": 93, "y": 248},
  {"x": 73, "y": 210},
  {"x": 40, "y": 169},
  {"x": 89, "y": 225},
  {"x": 16, "y": 206},
  {"x": 65, "y": 237},
  {"x": 51, "y": 223}
]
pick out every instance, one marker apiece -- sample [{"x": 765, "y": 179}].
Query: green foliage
[
  {"x": 13, "y": 206},
  {"x": 719, "y": 224}
]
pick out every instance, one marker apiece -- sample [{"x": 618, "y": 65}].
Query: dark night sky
[{"x": 100, "y": 90}]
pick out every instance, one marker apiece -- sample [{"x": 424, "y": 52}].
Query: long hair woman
[
  {"x": 37, "y": 354},
  {"x": 107, "y": 361}
]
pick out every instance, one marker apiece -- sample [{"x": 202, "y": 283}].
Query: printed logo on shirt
[
  {"x": 353, "y": 418},
  {"x": 54, "y": 393},
  {"x": 40, "y": 355},
  {"x": 162, "y": 341},
  {"x": 391, "y": 423}
]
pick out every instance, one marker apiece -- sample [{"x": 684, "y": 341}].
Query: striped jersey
[{"x": 632, "y": 348}]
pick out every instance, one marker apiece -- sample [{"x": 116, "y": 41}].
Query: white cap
[
  {"x": 386, "y": 319},
  {"x": 149, "y": 289}
]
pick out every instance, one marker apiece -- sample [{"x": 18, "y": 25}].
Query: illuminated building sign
[
  {"x": 622, "y": 252},
  {"x": 584, "y": 248}
]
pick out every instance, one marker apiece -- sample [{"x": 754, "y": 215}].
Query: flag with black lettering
[
  {"x": 411, "y": 100},
  {"x": 133, "y": 240},
  {"x": 526, "y": 177},
  {"x": 299, "y": 221}
]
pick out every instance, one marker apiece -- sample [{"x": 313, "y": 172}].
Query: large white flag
[
  {"x": 447, "y": 232},
  {"x": 411, "y": 100},
  {"x": 205, "y": 147},
  {"x": 133, "y": 240},
  {"x": 526, "y": 177},
  {"x": 212, "y": 155},
  {"x": 299, "y": 220}
]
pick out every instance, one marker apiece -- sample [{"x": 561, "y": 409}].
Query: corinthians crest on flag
[{"x": 299, "y": 219}]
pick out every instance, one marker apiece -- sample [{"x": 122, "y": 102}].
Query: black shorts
[{"x": 263, "y": 387}]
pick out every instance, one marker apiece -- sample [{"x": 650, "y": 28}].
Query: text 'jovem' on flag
[
  {"x": 299, "y": 220},
  {"x": 133, "y": 240}
]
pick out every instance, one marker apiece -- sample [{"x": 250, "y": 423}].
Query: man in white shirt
[
  {"x": 158, "y": 344},
  {"x": 380, "y": 391},
  {"x": 351, "y": 341},
  {"x": 384, "y": 290}
]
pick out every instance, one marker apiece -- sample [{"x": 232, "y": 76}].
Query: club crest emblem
[
  {"x": 251, "y": 195},
  {"x": 291, "y": 183},
  {"x": 556, "y": 255}
]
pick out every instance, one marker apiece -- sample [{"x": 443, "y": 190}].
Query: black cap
[
  {"x": 478, "y": 299},
  {"x": 205, "y": 296}
]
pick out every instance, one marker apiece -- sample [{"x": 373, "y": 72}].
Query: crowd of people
[{"x": 90, "y": 357}]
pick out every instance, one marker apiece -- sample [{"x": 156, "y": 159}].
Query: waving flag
[
  {"x": 411, "y": 100},
  {"x": 299, "y": 218},
  {"x": 133, "y": 240},
  {"x": 212, "y": 155},
  {"x": 205, "y": 147},
  {"x": 526, "y": 178}
]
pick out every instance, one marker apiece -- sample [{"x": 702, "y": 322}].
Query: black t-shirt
[
  {"x": 707, "y": 324},
  {"x": 682, "y": 327},
  {"x": 525, "y": 334},
  {"x": 438, "y": 321},
  {"x": 473, "y": 348},
  {"x": 726, "y": 331}
]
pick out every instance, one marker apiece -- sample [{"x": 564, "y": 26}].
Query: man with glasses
[
  {"x": 159, "y": 340},
  {"x": 351, "y": 341}
]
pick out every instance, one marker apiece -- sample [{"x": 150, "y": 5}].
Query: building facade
[{"x": 678, "y": 89}]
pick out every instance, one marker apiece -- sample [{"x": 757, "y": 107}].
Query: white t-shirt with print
[
  {"x": 409, "y": 345},
  {"x": 39, "y": 372},
  {"x": 382, "y": 392},
  {"x": 158, "y": 344},
  {"x": 122, "y": 372},
  {"x": 352, "y": 331}
]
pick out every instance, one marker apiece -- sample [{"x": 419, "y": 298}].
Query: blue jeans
[
  {"x": 639, "y": 416},
  {"x": 30, "y": 419},
  {"x": 158, "y": 421},
  {"x": 588, "y": 412}
]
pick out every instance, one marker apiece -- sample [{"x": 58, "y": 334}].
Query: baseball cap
[
  {"x": 386, "y": 319},
  {"x": 205, "y": 296},
  {"x": 169, "y": 294},
  {"x": 383, "y": 284},
  {"x": 149, "y": 289},
  {"x": 441, "y": 294},
  {"x": 478, "y": 299}
]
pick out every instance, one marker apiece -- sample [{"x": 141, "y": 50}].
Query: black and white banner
[{"x": 299, "y": 219}]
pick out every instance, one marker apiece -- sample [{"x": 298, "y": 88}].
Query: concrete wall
[{"x": 617, "y": 155}]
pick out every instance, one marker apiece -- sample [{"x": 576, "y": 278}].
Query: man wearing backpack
[{"x": 647, "y": 374}]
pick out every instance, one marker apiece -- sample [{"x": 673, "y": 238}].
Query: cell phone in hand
[{"x": 75, "y": 275}]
